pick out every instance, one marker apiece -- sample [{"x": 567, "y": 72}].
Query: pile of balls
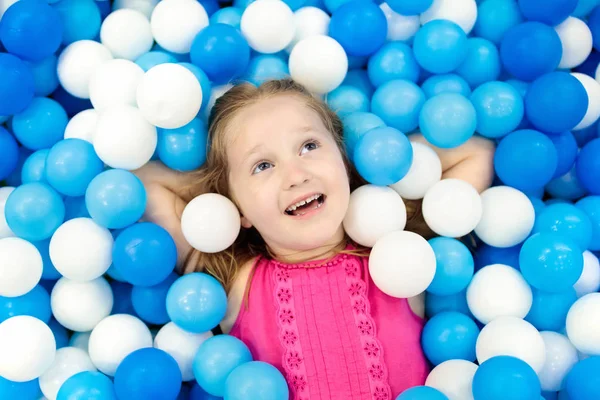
[{"x": 91, "y": 90}]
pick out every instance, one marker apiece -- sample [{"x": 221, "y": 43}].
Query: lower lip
[{"x": 310, "y": 213}]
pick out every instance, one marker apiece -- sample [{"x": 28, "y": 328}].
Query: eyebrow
[{"x": 255, "y": 149}]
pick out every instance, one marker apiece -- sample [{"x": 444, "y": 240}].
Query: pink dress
[{"x": 330, "y": 331}]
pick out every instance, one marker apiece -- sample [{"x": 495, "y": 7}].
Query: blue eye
[
  {"x": 261, "y": 167},
  {"x": 312, "y": 145}
]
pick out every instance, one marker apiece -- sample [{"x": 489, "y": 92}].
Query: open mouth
[{"x": 302, "y": 207}]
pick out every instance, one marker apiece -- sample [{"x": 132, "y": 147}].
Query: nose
[{"x": 295, "y": 174}]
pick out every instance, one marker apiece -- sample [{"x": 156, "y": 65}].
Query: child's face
[{"x": 279, "y": 153}]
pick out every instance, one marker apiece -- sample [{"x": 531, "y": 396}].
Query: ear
[{"x": 245, "y": 222}]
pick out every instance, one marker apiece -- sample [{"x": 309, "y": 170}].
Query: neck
[{"x": 325, "y": 251}]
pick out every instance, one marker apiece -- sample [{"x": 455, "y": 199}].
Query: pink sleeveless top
[{"x": 330, "y": 331}]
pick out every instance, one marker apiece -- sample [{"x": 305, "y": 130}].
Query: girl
[{"x": 299, "y": 292}]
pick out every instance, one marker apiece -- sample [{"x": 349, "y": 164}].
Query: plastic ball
[
  {"x": 589, "y": 281},
  {"x": 576, "y": 39},
  {"x": 399, "y": 27},
  {"x": 421, "y": 393},
  {"x": 486, "y": 294},
  {"x": 256, "y": 380},
  {"x": 94, "y": 303},
  {"x": 124, "y": 138},
  {"x": 268, "y": 26},
  {"x": 482, "y": 62},
  {"x": 588, "y": 166},
  {"x": 77, "y": 64},
  {"x": 402, "y": 264},
  {"x": 31, "y": 30},
  {"x": 463, "y": 13},
  {"x": 561, "y": 356},
  {"x": 566, "y": 150},
  {"x": 67, "y": 362},
  {"x": 511, "y": 336},
  {"x": 383, "y": 156},
  {"x": 410, "y": 8},
  {"x": 499, "y": 108},
  {"x": 583, "y": 324},
  {"x": 309, "y": 21},
  {"x": 44, "y": 75},
  {"x": 210, "y": 223},
  {"x": 530, "y": 50},
  {"x": 395, "y": 60},
  {"x": 567, "y": 220},
  {"x": 505, "y": 378},
  {"x": 34, "y": 211},
  {"x": 453, "y": 378},
  {"x": 448, "y": 120},
  {"x": 80, "y": 19},
  {"x": 114, "y": 83},
  {"x": 582, "y": 380},
  {"x": 175, "y": 24},
  {"x": 183, "y": 149},
  {"x": 17, "y": 87},
  {"x": 216, "y": 358},
  {"x": 591, "y": 206},
  {"x": 149, "y": 302},
  {"x": 205, "y": 83},
  {"x": 452, "y": 83},
  {"x": 549, "y": 310},
  {"x": 440, "y": 46},
  {"x": 127, "y": 34},
  {"x": 114, "y": 338},
  {"x": 592, "y": 87},
  {"x": 374, "y": 211},
  {"x": 495, "y": 17},
  {"x": 34, "y": 167},
  {"x": 227, "y": 15},
  {"x": 10, "y": 153},
  {"x": 398, "y": 103},
  {"x": 454, "y": 267},
  {"x": 154, "y": 58},
  {"x": 452, "y": 207},
  {"x": 82, "y": 125},
  {"x": 41, "y": 124},
  {"x": 35, "y": 303},
  {"x": 550, "y": 14},
  {"x": 21, "y": 268},
  {"x": 550, "y": 261},
  {"x": 449, "y": 336},
  {"x": 29, "y": 390},
  {"x": 146, "y": 7},
  {"x": 148, "y": 373},
  {"x": 424, "y": 172},
  {"x": 268, "y": 66},
  {"x": 319, "y": 63},
  {"x": 87, "y": 384}
]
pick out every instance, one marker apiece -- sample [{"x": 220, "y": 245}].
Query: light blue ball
[
  {"x": 35, "y": 303},
  {"x": 413, "y": 7},
  {"x": 454, "y": 266},
  {"x": 45, "y": 75},
  {"x": 398, "y": 103},
  {"x": 184, "y": 148},
  {"x": 582, "y": 382},
  {"x": 591, "y": 206},
  {"x": 228, "y": 15},
  {"x": 499, "y": 109},
  {"x": 348, "y": 99},
  {"x": 40, "y": 125},
  {"x": 421, "y": 393},
  {"x": 495, "y": 18},
  {"x": 567, "y": 220},
  {"x": 449, "y": 336},
  {"x": 440, "y": 46},
  {"x": 34, "y": 167},
  {"x": 81, "y": 19},
  {"x": 29, "y": 390},
  {"x": 505, "y": 378},
  {"x": 482, "y": 62},
  {"x": 450, "y": 83},
  {"x": 549, "y": 310},
  {"x": 395, "y": 60},
  {"x": 448, "y": 120},
  {"x": 266, "y": 67},
  {"x": 356, "y": 124},
  {"x": 256, "y": 380}
]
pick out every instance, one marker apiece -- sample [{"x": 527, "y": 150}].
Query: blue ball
[
  {"x": 448, "y": 120},
  {"x": 144, "y": 254},
  {"x": 446, "y": 83},
  {"x": 549, "y": 310},
  {"x": 594, "y": 25},
  {"x": 359, "y": 26},
  {"x": 499, "y": 108},
  {"x": 488, "y": 255},
  {"x": 482, "y": 62},
  {"x": 197, "y": 393},
  {"x": 505, "y": 378},
  {"x": 9, "y": 153},
  {"x": 588, "y": 166},
  {"x": 454, "y": 266},
  {"x": 154, "y": 58},
  {"x": 80, "y": 18},
  {"x": 265, "y": 67},
  {"x": 123, "y": 303},
  {"x": 148, "y": 373},
  {"x": 525, "y": 159},
  {"x": 150, "y": 303},
  {"x": 556, "y": 102},
  {"x": 34, "y": 211},
  {"x": 40, "y": 125},
  {"x": 421, "y": 393},
  {"x": 448, "y": 336},
  {"x": 184, "y": 148},
  {"x": 61, "y": 336},
  {"x": 551, "y": 262},
  {"x": 356, "y": 124},
  {"x": 359, "y": 78},
  {"x": 29, "y": 390},
  {"x": 395, "y": 60},
  {"x": 17, "y": 85},
  {"x": 566, "y": 187},
  {"x": 45, "y": 76},
  {"x": 348, "y": 99},
  {"x": 398, "y": 103},
  {"x": 440, "y": 46},
  {"x": 228, "y": 15},
  {"x": 590, "y": 205},
  {"x": 196, "y": 302},
  {"x": 454, "y": 302},
  {"x": 49, "y": 272},
  {"x": 115, "y": 199},
  {"x": 550, "y": 13},
  {"x": 75, "y": 208},
  {"x": 221, "y": 52},
  {"x": 413, "y": 7},
  {"x": 530, "y": 50},
  {"x": 35, "y": 303},
  {"x": 582, "y": 381},
  {"x": 205, "y": 84},
  {"x": 383, "y": 156},
  {"x": 256, "y": 380},
  {"x": 31, "y": 30},
  {"x": 566, "y": 149},
  {"x": 72, "y": 105},
  {"x": 567, "y": 220},
  {"x": 215, "y": 359},
  {"x": 495, "y": 18}
]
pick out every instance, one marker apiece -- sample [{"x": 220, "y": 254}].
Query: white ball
[
  {"x": 78, "y": 62},
  {"x": 425, "y": 171},
  {"x": 27, "y": 346},
  {"x": 318, "y": 62},
  {"x": 561, "y": 355},
  {"x": 80, "y": 340},
  {"x": 215, "y": 93},
  {"x": 373, "y": 212},
  {"x": 68, "y": 362},
  {"x": 82, "y": 125},
  {"x": 144, "y": 6},
  {"x": 589, "y": 281},
  {"x": 402, "y": 264},
  {"x": 592, "y": 87},
  {"x": 400, "y": 27},
  {"x": 114, "y": 338},
  {"x": 461, "y": 12},
  {"x": 80, "y": 306},
  {"x": 454, "y": 378},
  {"x": 124, "y": 138},
  {"x": 21, "y": 267},
  {"x": 115, "y": 83},
  {"x": 210, "y": 223},
  {"x": 452, "y": 207},
  {"x": 181, "y": 345},
  {"x": 583, "y": 324},
  {"x": 508, "y": 217},
  {"x": 511, "y": 336},
  {"x": 498, "y": 290},
  {"x": 169, "y": 96},
  {"x": 4, "y": 4},
  {"x": 5, "y": 230},
  {"x": 175, "y": 24},
  {"x": 268, "y": 25},
  {"x": 127, "y": 34},
  {"x": 81, "y": 250},
  {"x": 309, "y": 21},
  {"x": 576, "y": 39}
]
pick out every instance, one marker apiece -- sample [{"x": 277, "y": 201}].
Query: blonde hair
[{"x": 212, "y": 177}]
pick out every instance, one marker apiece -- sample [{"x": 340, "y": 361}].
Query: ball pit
[{"x": 92, "y": 90}]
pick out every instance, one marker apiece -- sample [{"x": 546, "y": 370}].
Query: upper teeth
[{"x": 303, "y": 202}]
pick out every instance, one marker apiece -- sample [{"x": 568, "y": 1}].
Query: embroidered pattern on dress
[{"x": 372, "y": 350}]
